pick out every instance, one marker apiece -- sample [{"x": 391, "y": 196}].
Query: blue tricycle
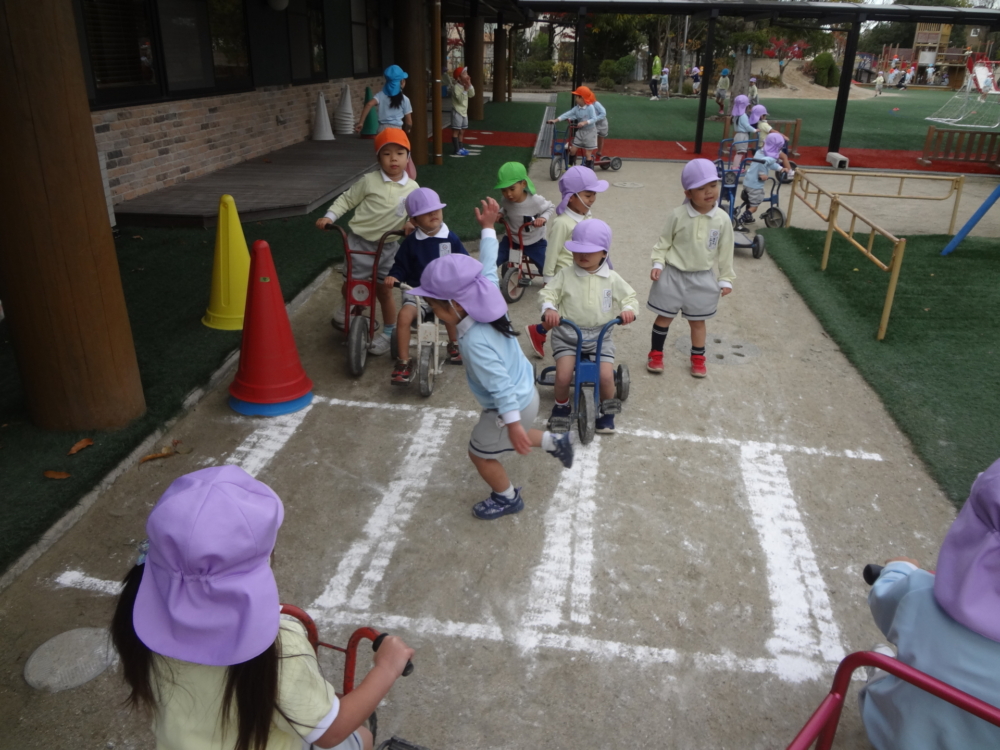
[{"x": 588, "y": 373}]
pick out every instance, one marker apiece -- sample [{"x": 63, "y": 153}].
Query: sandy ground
[
  {"x": 692, "y": 582},
  {"x": 800, "y": 86}
]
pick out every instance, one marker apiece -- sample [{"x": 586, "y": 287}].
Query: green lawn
[
  {"x": 892, "y": 121},
  {"x": 510, "y": 117},
  {"x": 938, "y": 369}
]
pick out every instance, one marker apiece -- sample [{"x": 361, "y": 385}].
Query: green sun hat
[{"x": 511, "y": 172}]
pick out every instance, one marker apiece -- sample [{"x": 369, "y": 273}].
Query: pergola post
[
  {"x": 410, "y": 40},
  {"x": 59, "y": 276},
  {"x": 437, "y": 139},
  {"x": 511, "y": 46},
  {"x": 500, "y": 61},
  {"x": 846, "y": 75},
  {"x": 581, "y": 15},
  {"x": 699, "y": 133},
  {"x": 474, "y": 29}
]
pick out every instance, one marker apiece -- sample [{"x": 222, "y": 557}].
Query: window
[
  {"x": 305, "y": 40},
  {"x": 119, "y": 38},
  {"x": 365, "y": 37}
]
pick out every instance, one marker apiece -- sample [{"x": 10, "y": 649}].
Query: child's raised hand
[
  {"x": 655, "y": 274},
  {"x": 392, "y": 655},
  {"x": 627, "y": 317},
  {"x": 519, "y": 438},
  {"x": 323, "y": 222},
  {"x": 488, "y": 216},
  {"x": 551, "y": 319}
]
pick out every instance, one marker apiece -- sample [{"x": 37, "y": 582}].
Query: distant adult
[{"x": 654, "y": 82}]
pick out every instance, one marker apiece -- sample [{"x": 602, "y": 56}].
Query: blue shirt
[
  {"x": 743, "y": 125},
  {"x": 586, "y": 112},
  {"x": 389, "y": 115},
  {"x": 756, "y": 174},
  {"x": 600, "y": 111},
  {"x": 499, "y": 375},
  {"x": 899, "y": 715},
  {"x": 419, "y": 249}
]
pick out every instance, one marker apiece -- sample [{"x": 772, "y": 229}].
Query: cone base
[
  {"x": 250, "y": 409},
  {"x": 222, "y": 322}
]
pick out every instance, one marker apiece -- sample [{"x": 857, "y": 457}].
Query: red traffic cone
[{"x": 270, "y": 380}]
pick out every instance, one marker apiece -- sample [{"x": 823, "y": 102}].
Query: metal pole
[
  {"x": 578, "y": 48},
  {"x": 699, "y": 133},
  {"x": 436, "y": 79},
  {"x": 846, "y": 72},
  {"x": 973, "y": 220}
]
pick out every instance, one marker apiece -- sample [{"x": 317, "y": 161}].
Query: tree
[{"x": 780, "y": 49}]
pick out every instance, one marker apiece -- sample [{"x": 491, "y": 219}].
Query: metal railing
[{"x": 789, "y": 128}]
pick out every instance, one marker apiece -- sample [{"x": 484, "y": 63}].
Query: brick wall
[{"x": 153, "y": 146}]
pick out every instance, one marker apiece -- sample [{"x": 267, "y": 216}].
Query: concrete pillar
[
  {"x": 59, "y": 278},
  {"x": 410, "y": 37},
  {"x": 500, "y": 61},
  {"x": 474, "y": 61}
]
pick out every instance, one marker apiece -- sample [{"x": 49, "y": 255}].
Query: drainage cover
[
  {"x": 70, "y": 659},
  {"x": 720, "y": 350}
]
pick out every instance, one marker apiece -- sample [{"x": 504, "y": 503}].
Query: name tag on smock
[
  {"x": 713, "y": 239},
  {"x": 606, "y": 301},
  {"x": 444, "y": 248}
]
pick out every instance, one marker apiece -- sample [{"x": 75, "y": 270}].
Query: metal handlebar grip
[
  {"x": 408, "y": 669},
  {"x": 871, "y": 573}
]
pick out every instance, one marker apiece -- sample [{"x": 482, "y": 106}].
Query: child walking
[
  {"x": 379, "y": 199},
  {"x": 752, "y": 93},
  {"x": 766, "y": 158},
  {"x": 579, "y": 187},
  {"x": 461, "y": 91},
  {"x": 722, "y": 90},
  {"x": 590, "y": 294},
  {"x": 743, "y": 131},
  {"x": 202, "y": 644},
  {"x": 697, "y": 236},
  {"x": 585, "y": 138},
  {"x": 665, "y": 82},
  {"x": 879, "y": 82},
  {"x": 522, "y": 205},
  {"x": 466, "y": 293},
  {"x": 432, "y": 239},
  {"x": 394, "y": 109}
]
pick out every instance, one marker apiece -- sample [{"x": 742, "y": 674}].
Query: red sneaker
[
  {"x": 654, "y": 362},
  {"x": 698, "y": 368},
  {"x": 537, "y": 341}
]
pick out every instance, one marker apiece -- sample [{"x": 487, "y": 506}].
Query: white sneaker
[
  {"x": 379, "y": 346},
  {"x": 339, "y": 315}
]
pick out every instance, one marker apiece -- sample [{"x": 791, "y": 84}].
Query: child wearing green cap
[{"x": 521, "y": 204}]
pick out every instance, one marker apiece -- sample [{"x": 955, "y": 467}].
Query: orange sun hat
[
  {"x": 392, "y": 135},
  {"x": 587, "y": 94}
]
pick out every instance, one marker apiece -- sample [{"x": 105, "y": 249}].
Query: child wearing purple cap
[
  {"x": 591, "y": 295},
  {"x": 431, "y": 239},
  {"x": 743, "y": 130},
  {"x": 579, "y": 187},
  {"x": 767, "y": 158},
  {"x": 698, "y": 236},
  {"x": 466, "y": 292},
  {"x": 946, "y": 625},
  {"x": 202, "y": 644}
]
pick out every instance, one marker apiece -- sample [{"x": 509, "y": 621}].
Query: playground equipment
[
  {"x": 973, "y": 220},
  {"x": 428, "y": 340},
  {"x": 788, "y": 128},
  {"x": 561, "y": 142},
  {"x": 520, "y": 269},
  {"x": 230, "y": 271},
  {"x": 977, "y": 104}
]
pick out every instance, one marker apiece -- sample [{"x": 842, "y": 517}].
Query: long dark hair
[
  {"x": 252, "y": 685},
  {"x": 396, "y": 100}
]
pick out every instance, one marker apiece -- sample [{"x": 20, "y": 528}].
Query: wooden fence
[{"x": 961, "y": 145}]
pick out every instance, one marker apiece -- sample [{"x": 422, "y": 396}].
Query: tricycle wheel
[
  {"x": 357, "y": 345},
  {"x": 605, "y": 164},
  {"x": 757, "y": 246},
  {"x": 616, "y": 163},
  {"x": 510, "y": 285},
  {"x": 622, "y": 382},
  {"x": 774, "y": 218},
  {"x": 425, "y": 370},
  {"x": 588, "y": 415},
  {"x": 556, "y": 166}
]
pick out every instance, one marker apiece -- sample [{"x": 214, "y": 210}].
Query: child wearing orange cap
[
  {"x": 461, "y": 90},
  {"x": 586, "y": 128},
  {"x": 379, "y": 200}
]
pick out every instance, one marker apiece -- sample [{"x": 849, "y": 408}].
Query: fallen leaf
[
  {"x": 136, "y": 236},
  {"x": 165, "y": 452},
  {"x": 56, "y": 475},
  {"x": 80, "y": 445}
]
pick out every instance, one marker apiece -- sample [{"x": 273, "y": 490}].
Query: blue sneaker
[
  {"x": 606, "y": 424},
  {"x": 497, "y": 505},
  {"x": 463, "y": 152},
  {"x": 564, "y": 450}
]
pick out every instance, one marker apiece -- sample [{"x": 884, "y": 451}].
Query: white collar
[
  {"x": 387, "y": 178},
  {"x": 442, "y": 233},
  {"x": 464, "y": 325},
  {"x": 694, "y": 214},
  {"x": 602, "y": 270},
  {"x": 575, "y": 216}
]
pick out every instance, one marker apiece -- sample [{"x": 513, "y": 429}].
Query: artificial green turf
[
  {"x": 165, "y": 276},
  {"x": 938, "y": 369},
  {"x": 892, "y": 121},
  {"x": 510, "y": 117}
]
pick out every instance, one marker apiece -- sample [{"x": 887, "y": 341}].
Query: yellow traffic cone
[{"x": 231, "y": 271}]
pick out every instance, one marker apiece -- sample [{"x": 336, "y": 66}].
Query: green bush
[
  {"x": 532, "y": 71},
  {"x": 833, "y": 76},
  {"x": 618, "y": 70},
  {"x": 562, "y": 71},
  {"x": 606, "y": 83},
  {"x": 607, "y": 69},
  {"x": 545, "y": 82},
  {"x": 823, "y": 64},
  {"x": 688, "y": 88}
]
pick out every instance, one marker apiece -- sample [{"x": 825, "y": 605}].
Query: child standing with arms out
[
  {"x": 579, "y": 187},
  {"x": 394, "y": 109},
  {"x": 768, "y": 157},
  {"x": 202, "y": 644},
  {"x": 752, "y": 92},
  {"x": 585, "y": 138},
  {"x": 432, "y": 239},
  {"x": 743, "y": 131},
  {"x": 379, "y": 199},
  {"x": 698, "y": 234},
  {"x": 466, "y": 293},
  {"x": 588, "y": 293},
  {"x": 522, "y": 205},
  {"x": 461, "y": 91}
]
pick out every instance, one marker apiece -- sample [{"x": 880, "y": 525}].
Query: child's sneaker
[
  {"x": 698, "y": 369},
  {"x": 379, "y": 346},
  {"x": 402, "y": 373},
  {"x": 463, "y": 152},
  {"x": 747, "y": 218},
  {"x": 337, "y": 321},
  {"x": 564, "y": 450},
  {"x": 654, "y": 362},
  {"x": 606, "y": 424},
  {"x": 454, "y": 355},
  {"x": 537, "y": 341},
  {"x": 561, "y": 411},
  {"x": 497, "y": 505}
]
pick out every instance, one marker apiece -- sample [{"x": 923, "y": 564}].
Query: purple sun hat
[
  {"x": 740, "y": 104},
  {"x": 591, "y": 236},
  {"x": 758, "y": 111},
  {"x": 773, "y": 144},
  {"x": 967, "y": 583},
  {"x": 698, "y": 172},
  {"x": 422, "y": 201},
  {"x": 207, "y": 593},
  {"x": 460, "y": 278},
  {"x": 575, "y": 180}
]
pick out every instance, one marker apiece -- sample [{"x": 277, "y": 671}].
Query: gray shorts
[
  {"x": 459, "y": 122},
  {"x": 740, "y": 142},
  {"x": 361, "y": 265},
  {"x": 755, "y": 196},
  {"x": 602, "y": 128},
  {"x": 586, "y": 138},
  {"x": 563, "y": 341},
  {"x": 489, "y": 436},
  {"x": 410, "y": 301},
  {"x": 696, "y": 293}
]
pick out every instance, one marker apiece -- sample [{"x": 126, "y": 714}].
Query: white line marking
[
  {"x": 444, "y": 411},
  {"x": 800, "y": 605},
  {"x": 679, "y": 144},
  {"x": 261, "y": 445},
  {"x": 756, "y": 445},
  {"x": 77, "y": 579}
]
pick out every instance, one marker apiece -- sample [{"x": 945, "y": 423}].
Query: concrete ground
[{"x": 692, "y": 582}]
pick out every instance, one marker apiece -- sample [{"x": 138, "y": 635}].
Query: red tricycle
[{"x": 520, "y": 269}]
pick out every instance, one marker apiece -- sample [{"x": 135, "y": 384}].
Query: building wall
[{"x": 147, "y": 147}]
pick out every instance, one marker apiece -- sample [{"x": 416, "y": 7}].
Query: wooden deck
[{"x": 289, "y": 182}]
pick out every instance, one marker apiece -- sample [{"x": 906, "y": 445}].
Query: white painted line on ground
[
  {"x": 679, "y": 144},
  {"x": 388, "y": 519},
  {"x": 780, "y": 447},
  {"x": 77, "y": 579},
  {"x": 800, "y": 605},
  {"x": 261, "y": 445},
  {"x": 444, "y": 411}
]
